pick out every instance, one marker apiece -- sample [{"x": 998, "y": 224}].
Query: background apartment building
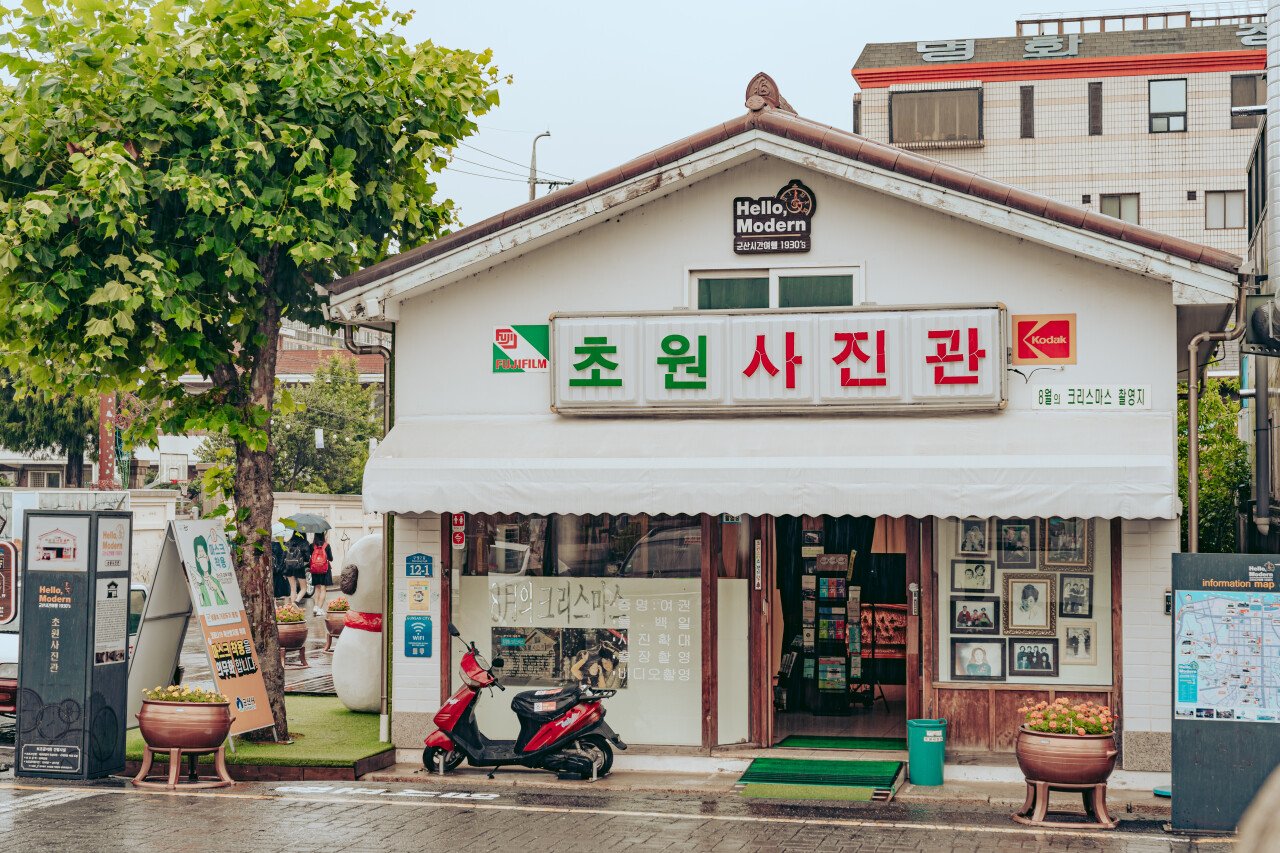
[{"x": 1124, "y": 113}]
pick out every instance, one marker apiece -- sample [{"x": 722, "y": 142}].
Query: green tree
[
  {"x": 1224, "y": 465},
  {"x": 336, "y": 403},
  {"x": 178, "y": 176},
  {"x": 32, "y": 421}
]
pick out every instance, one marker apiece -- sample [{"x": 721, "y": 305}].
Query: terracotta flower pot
[
  {"x": 1065, "y": 759},
  {"x": 293, "y": 635},
  {"x": 184, "y": 725},
  {"x": 335, "y": 621}
]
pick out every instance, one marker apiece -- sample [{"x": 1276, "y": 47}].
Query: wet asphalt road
[{"x": 334, "y": 816}]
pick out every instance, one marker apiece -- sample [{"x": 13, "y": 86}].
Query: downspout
[
  {"x": 388, "y": 526},
  {"x": 1261, "y": 447},
  {"x": 1193, "y": 410}
]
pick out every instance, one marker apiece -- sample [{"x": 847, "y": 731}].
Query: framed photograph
[
  {"x": 1034, "y": 657},
  {"x": 977, "y": 660},
  {"x": 1075, "y": 596},
  {"x": 1067, "y": 543},
  {"x": 973, "y": 537},
  {"x": 1030, "y": 605},
  {"x": 975, "y": 615},
  {"x": 1080, "y": 648},
  {"x": 1016, "y": 543},
  {"x": 973, "y": 576}
]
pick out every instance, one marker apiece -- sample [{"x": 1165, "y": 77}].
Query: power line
[
  {"x": 487, "y": 166},
  {"x": 512, "y": 162},
  {"x": 490, "y": 177}
]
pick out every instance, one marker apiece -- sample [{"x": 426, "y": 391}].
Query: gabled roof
[{"x": 770, "y": 115}]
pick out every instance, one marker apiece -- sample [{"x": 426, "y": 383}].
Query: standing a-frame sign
[{"x": 195, "y": 576}]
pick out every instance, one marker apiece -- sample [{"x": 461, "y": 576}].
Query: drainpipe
[
  {"x": 1261, "y": 447},
  {"x": 349, "y": 339},
  {"x": 1193, "y": 408}
]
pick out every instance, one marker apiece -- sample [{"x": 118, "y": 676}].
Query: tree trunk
[
  {"x": 75, "y": 468},
  {"x": 255, "y": 506}
]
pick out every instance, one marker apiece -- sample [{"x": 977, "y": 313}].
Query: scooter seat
[{"x": 543, "y": 706}]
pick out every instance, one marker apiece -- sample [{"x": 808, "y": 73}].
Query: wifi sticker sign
[{"x": 1044, "y": 338}]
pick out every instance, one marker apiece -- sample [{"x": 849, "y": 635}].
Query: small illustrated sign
[
  {"x": 417, "y": 636},
  {"x": 521, "y": 348},
  {"x": 419, "y": 595},
  {"x": 459, "y": 536},
  {"x": 1044, "y": 339},
  {"x": 1076, "y": 397},
  {"x": 418, "y": 566},
  {"x": 773, "y": 224}
]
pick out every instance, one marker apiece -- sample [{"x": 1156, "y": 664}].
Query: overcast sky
[{"x": 611, "y": 80}]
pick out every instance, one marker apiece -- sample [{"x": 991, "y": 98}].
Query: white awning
[{"x": 1008, "y": 464}]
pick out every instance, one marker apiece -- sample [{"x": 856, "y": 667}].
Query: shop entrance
[{"x": 839, "y": 617}]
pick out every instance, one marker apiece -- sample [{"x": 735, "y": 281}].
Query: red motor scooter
[{"x": 562, "y": 729}]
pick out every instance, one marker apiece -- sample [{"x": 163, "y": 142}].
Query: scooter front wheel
[{"x": 433, "y": 755}]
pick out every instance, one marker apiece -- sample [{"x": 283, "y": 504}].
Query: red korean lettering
[
  {"x": 851, "y": 341},
  {"x": 948, "y": 351},
  {"x": 760, "y": 359}
]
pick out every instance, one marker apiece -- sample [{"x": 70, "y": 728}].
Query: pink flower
[{"x": 1079, "y": 731}]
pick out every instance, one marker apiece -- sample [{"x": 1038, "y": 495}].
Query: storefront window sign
[{"x": 867, "y": 359}]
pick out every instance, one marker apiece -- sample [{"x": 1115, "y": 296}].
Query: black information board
[
  {"x": 1226, "y": 685},
  {"x": 73, "y": 665}
]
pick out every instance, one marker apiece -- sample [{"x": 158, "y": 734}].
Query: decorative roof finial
[{"x": 763, "y": 92}]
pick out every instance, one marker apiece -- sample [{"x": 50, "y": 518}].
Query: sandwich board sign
[
  {"x": 73, "y": 660},
  {"x": 195, "y": 577}
]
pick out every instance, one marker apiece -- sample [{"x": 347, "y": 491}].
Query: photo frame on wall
[
  {"x": 1075, "y": 596},
  {"x": 976, "y": 615},
  {"x": 973, "y": 576},
  {"x": 1067, "y": 544},
  {"x": 977, "y": 660},
  {"x": 1030, "y": 606},
  {"x": 1034, "y": 658},
  {"x": 1016, "y": 543},
  {"x": 973, "y": 537},
  {"x": 1080, "y": 648}
]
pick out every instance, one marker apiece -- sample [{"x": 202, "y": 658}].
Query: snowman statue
[{"x": 357, "y": 657}]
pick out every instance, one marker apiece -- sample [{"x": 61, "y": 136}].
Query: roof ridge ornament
[{"x": 763, "y": 92}]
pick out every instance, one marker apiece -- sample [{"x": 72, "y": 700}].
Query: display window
[
  {"x": 1024, "y": 600},
  {"x": 608, "y": 600}
]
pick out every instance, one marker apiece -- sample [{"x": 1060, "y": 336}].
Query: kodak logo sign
[{"x": 1044, "y": 338}]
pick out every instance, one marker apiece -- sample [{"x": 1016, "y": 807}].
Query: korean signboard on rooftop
[{"x": 856, "y": 360}]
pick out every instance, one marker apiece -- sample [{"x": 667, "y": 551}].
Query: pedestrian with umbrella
[{"x": 318, "y": 560}]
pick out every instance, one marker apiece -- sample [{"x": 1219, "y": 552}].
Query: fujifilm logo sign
[{"x": 778, "y": 223}]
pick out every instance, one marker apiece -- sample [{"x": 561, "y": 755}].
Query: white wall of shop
[
  {"x": 909, "y": 254},
  {"x": 1147, "y": 550}
]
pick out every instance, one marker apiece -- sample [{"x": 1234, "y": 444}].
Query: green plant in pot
[
  {"x": 184, "y": 717},
  {"x": 291, "y": 623},
  {"x": 1065, "y": 742}
]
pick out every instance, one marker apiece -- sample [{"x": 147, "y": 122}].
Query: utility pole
[
  {"x": 533, "y": 166},
  {"x": 107, "y": 442}
]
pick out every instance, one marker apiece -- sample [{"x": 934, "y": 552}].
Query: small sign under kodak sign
[{"x": 1044, "y": 338}]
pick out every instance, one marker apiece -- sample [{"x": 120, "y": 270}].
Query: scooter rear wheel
[
  {"x": 432, "y": 756},
  {"x": 592, "y": 744}
]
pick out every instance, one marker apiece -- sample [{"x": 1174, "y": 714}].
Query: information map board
[{"x": 1226, "y": 685}]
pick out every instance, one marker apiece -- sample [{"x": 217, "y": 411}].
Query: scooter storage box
[{"x": 543, "y": 706}]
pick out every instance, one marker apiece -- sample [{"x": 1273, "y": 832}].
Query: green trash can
[{"x": 926, "y": 751}]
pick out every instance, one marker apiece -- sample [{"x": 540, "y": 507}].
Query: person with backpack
[
  {"x": 320, "y": 567},
  {"x": 296, "y": 559}
]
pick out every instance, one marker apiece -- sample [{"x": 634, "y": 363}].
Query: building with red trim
[{"x": 1134, "y": 123}]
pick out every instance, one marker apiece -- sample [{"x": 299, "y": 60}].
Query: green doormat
[
  {"x": 791, "y": 771},
  {"x": 837, "y": 742},
  {"x": 848, "y": 793}
]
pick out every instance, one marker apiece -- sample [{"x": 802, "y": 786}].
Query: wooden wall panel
[
  {"x": 1005, "y": 716},
  {"x": 968, "y": 718},
  {"x": 914, "y": 619},
  {"x": 710, "y": 627}
]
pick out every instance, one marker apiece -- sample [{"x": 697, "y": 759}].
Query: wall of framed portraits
[{"x": 1024, "y": 601}]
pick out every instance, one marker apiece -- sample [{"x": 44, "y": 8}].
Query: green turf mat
[
  {"x": 325, "y": 733},
  {"x": 820, "y": 742},
  {"x": 850, "y": 793},
  {"x": 792, "y": 771}
]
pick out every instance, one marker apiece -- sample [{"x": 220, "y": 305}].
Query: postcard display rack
[{"x": 825, "y": 620}]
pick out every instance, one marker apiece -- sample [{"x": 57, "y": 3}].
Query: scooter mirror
[
  {"x": 498, "y": 663},
  {"x": 453, "y": 630}
]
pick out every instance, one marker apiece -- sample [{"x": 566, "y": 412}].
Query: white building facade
[{"x": 744, "y": 470}]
